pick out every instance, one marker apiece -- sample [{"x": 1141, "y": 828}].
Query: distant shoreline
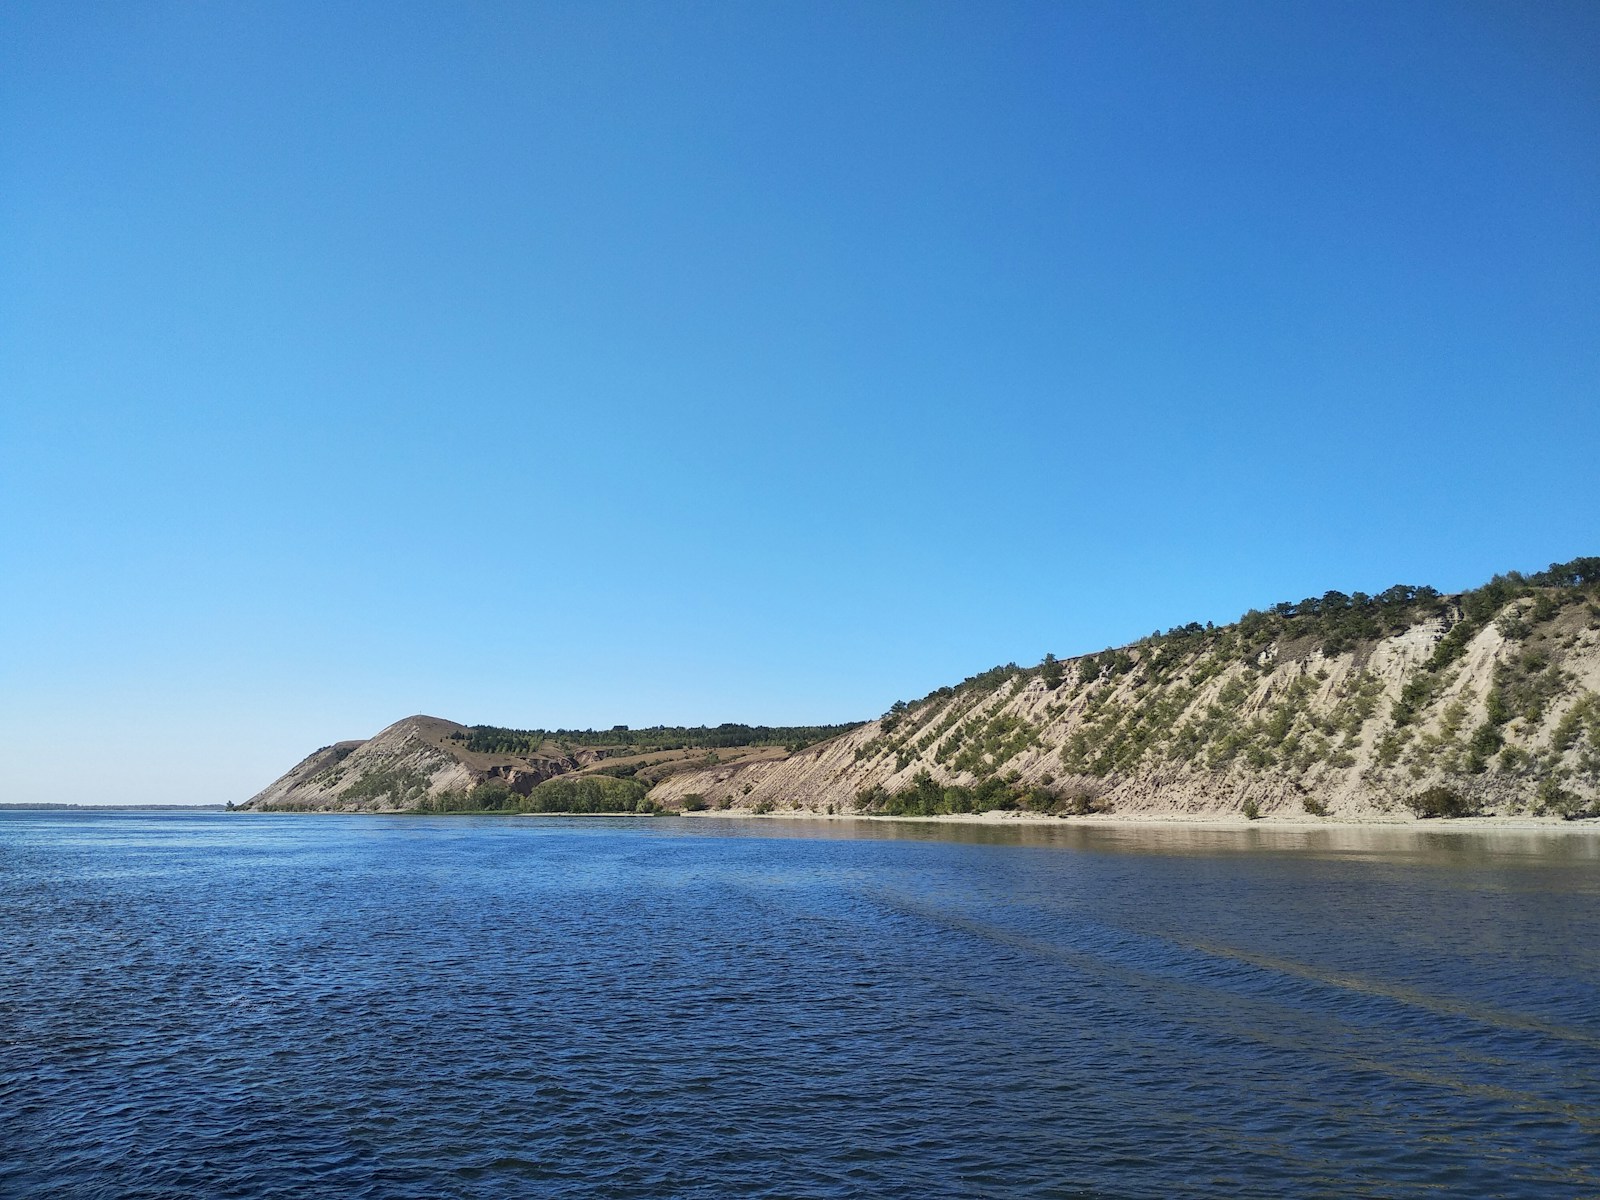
[{"x": 47, "y": 807}]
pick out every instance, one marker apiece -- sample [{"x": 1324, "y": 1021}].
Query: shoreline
[
  {"x": 1521, "y": 824},
  {"x": 1006, "y": 818}
]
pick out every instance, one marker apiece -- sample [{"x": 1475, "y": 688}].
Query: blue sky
[{"x": 572, "y": 364}]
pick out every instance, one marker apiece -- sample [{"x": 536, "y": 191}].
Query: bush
[
  {"x": 1314, "y": 806},
  {"x": 1440, "y": 801},
  {"x": 1251, "y": 810},
  {"x": 873, "y": 797},
  {"x": 1079, "y": 800},
  {"x": 1555, "y": 800},
  {"x": 589, "y": 794},
  {"x": 695, "y": 802}
]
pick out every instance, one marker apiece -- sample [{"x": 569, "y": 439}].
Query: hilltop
[{"x": 1347, "y": 705}]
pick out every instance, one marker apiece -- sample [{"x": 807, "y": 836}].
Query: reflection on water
[
  {"x": 246, "y": 1005},
  {"x": 1437, "y": 842}
]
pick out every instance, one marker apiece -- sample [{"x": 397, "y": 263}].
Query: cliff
[
  {"x": 1405, "y": 703},
  {"x": 1354, "y": 707}
]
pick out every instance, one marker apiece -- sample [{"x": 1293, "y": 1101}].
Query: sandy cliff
[{"x": 1192, "y": 726}]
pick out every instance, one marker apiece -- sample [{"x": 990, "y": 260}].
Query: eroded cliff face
[
  {"x": 1505, "y": 715},
  {"x": 413, "y": 760}
]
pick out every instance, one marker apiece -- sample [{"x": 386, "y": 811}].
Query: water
[{"x": 223, "y": 1005}]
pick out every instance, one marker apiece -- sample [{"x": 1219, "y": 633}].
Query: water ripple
[{"x": 253, "y": 1006}]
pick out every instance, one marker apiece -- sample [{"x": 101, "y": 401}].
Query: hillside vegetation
[
  {"x": 1407, "y": 701},
  {"x": 1403, "y": 703},
  {"x": 427, "y": 764}
]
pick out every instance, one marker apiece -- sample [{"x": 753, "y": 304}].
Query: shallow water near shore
[{"x": 251, "y": 1005}]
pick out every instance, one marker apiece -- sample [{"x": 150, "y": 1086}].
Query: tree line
[{"x": 495, "y": 739}]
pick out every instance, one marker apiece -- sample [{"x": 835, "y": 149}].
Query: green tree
[{"x": 1050, "y": 672}]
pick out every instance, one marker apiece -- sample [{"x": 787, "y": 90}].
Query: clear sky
[{"x": 574, "y": 364}]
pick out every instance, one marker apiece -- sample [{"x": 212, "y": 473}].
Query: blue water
[{"x": 225, "y": 1005}]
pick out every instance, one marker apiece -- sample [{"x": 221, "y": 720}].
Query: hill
[
  {"x": 430, "y": 764},
  {"x": 1344, "y": 705},
  {"x": 1356, "y": 706}
]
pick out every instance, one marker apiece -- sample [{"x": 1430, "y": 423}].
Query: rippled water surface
[{"x": 228, "y": 1005}]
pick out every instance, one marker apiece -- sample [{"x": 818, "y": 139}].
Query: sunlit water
[{"x": 224, "y": 1005}]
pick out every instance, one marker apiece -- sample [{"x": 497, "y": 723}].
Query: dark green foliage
[
  {"x": 872, "y": 798},
  {"x": 1314, "y": 806},
  {"x": 695, "y": 802},
  {"x": 1420, "y": 691},
  {"x": 1555, "y": 800},
  {"x": 1335, "y": 621},
  {"x": 1513, "y": 627},
  {"x": 493, "y": 795},
  {"x": 993, "y": 743},
  {"x": 563, "y": 794},
  {"x": 400, "y": 788},
  {"x": 891, "y": 720},
  {"x": 1080, "y": 802},
  {"x": 925, "y": 796},
  {"x": 1050, "y": 673},
  {"x": 1153, "y": 703},
  {"x": 626, "y": 770},
  {"x": 1524, "y": 686},
  {"x": 492, "y": 739},
  {"x": 1485, "y": 741},
  {"x": 1482, "y": 605},
  {"x": 1440, "y": 801},
  {"x": 1251, "y": 810},
  {"x": 1413, "y": 698},
  {"x": 589, "y": 794},
  {"x": 1577, "y": 573}
]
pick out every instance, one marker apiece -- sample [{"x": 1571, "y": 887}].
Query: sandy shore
[{"x": 1182, "y": 821}]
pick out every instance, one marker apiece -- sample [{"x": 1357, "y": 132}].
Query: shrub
[
  {"x": 872, "y": 797},
  {"x": 1314, "y": 806},
  {"x": 1513, "y": 626},
  {"x": 1251, "y": 810},
  {"x": 1555, "y": 800},
  {"x": 1080, "y": 799},
  {"x": 695, "y": 802},
  {"x": 1440, "y": 801}
]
